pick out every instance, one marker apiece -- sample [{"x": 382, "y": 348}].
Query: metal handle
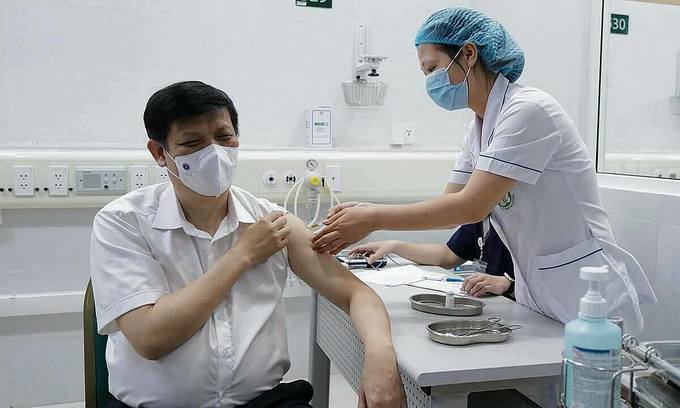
[
  {"x": 493, "y": 321},
  {"x": 646, "y": 353}
]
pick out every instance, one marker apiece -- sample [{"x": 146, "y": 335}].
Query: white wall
[
  {"x": 556, "y": 39},
  {"x": 86, "y": 67},
  {"x": 642, "y": 72},
  {"x": 44, "y": 250},
  {"x": 41, "y": 360},
  {"x": 648, "y": 226},
  {"x": 81, "y": 71}
]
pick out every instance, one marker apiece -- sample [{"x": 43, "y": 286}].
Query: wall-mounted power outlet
[
  {"x": 58, "y": 181},
  {"x": 23, "y": 181},
  {"x": 334, "y": 177},
  {"x": 410, "y": 135},
  {"x": 161, "y": 174},
  {"x": 403, "y": 133},
  {"x": 138, "y": 177}
]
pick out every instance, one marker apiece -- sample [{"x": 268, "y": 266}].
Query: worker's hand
[
  {"x": 343, "y": 229},
  {"x": 337, "y": 208},
  {"x": 381, "y": 385},
  {"x": 375, "y": 250},
  {"x": 264, "y": 238},
  {"x": 479, "y": 284}
]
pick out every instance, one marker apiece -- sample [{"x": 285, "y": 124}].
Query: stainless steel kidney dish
[
  {"x": 464, "y": 332},
  {"x": 433, "y": 303}
]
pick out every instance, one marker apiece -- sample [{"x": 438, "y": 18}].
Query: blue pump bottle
[{"x": 593, "y": 341}]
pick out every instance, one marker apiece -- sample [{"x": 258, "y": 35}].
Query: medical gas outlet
[{"x": 313, "y": 180}]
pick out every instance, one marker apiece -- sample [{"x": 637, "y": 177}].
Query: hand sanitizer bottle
[{"x": 594, "y": 342}]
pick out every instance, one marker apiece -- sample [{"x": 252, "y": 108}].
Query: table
[{"x": 436, "y": 375}]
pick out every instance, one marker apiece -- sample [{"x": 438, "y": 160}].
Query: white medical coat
[{"x": 552, "y": 221}]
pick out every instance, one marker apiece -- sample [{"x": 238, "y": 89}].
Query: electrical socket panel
[
  {"x": 334, "y": 177},
  {"x": 138, "y": 177},
  {"x": 24, "y": 184},
  {"x": 58, "y": 181},
  {"x": 100, "y": 181},
  {"x": 409, "y": 134},
  {"x": 403, "y": 133},
  {"x": 161, "y": 174},
  {"x": 100, "y": 175}
]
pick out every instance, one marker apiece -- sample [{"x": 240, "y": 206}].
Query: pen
[{"x": 447, "y": 279}]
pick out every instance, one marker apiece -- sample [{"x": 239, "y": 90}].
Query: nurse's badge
[{"x": 507, "y": 201}]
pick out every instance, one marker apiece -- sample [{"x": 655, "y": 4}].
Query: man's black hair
[{"x": 184, "y": 100}]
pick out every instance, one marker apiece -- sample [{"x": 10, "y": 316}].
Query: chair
[{"x": 96, "y": 374}]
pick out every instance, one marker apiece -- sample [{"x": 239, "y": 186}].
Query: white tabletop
[{"x": 533, "y": 351}]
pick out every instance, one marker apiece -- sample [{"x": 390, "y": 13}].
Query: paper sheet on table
[{"x": 397, "y": 276}]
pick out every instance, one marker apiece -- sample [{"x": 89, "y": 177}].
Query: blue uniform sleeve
[
  {"x": 463, "y": 242},
  {"x": 497, "y": 256}
]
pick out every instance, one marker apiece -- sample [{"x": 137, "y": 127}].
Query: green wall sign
[
  {"x": 314, "y": 3},
  {"x": 619, "y": 24}
]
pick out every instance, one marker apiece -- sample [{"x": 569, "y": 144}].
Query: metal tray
[
  {"x": 652, "y": 392},
  {"x": 433, "y": 303},
  {"x": 446, "y": 332}
]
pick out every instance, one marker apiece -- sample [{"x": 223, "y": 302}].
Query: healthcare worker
[
  {"x": 523, "y": 164},
  {"x": 492, "y": 262}
]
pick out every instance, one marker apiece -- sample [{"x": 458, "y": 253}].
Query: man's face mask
[{"x": 209, "y": 171}]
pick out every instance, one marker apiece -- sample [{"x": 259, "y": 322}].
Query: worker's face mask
[
  {"x": 209, "y": 171},
  {"x": 443, "y": 93}
]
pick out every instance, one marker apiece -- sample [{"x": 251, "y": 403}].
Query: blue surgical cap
[{"x": 458, "y": 25}]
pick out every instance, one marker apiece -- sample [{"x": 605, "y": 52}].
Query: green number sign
[
  {"x": 619, "y": 24},
  {"x": 314, "y": 3}
]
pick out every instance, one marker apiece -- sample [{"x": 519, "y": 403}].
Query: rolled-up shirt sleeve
[
  {"x": 124, "y": 273},
  {"x": 524, "y": 141},
  {"x": 462, "y": 170}
]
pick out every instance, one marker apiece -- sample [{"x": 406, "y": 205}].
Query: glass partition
[{"x": 639, "y": 116}]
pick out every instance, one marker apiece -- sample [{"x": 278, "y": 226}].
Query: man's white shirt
[{"x": 142, "y": 249}]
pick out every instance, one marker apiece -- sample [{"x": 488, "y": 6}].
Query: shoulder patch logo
[{"x": 507, "y": 202}]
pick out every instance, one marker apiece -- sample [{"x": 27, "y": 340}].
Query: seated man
[
  {"x": 188, "y": 276},
  {"x": 463, "y": 246}
]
